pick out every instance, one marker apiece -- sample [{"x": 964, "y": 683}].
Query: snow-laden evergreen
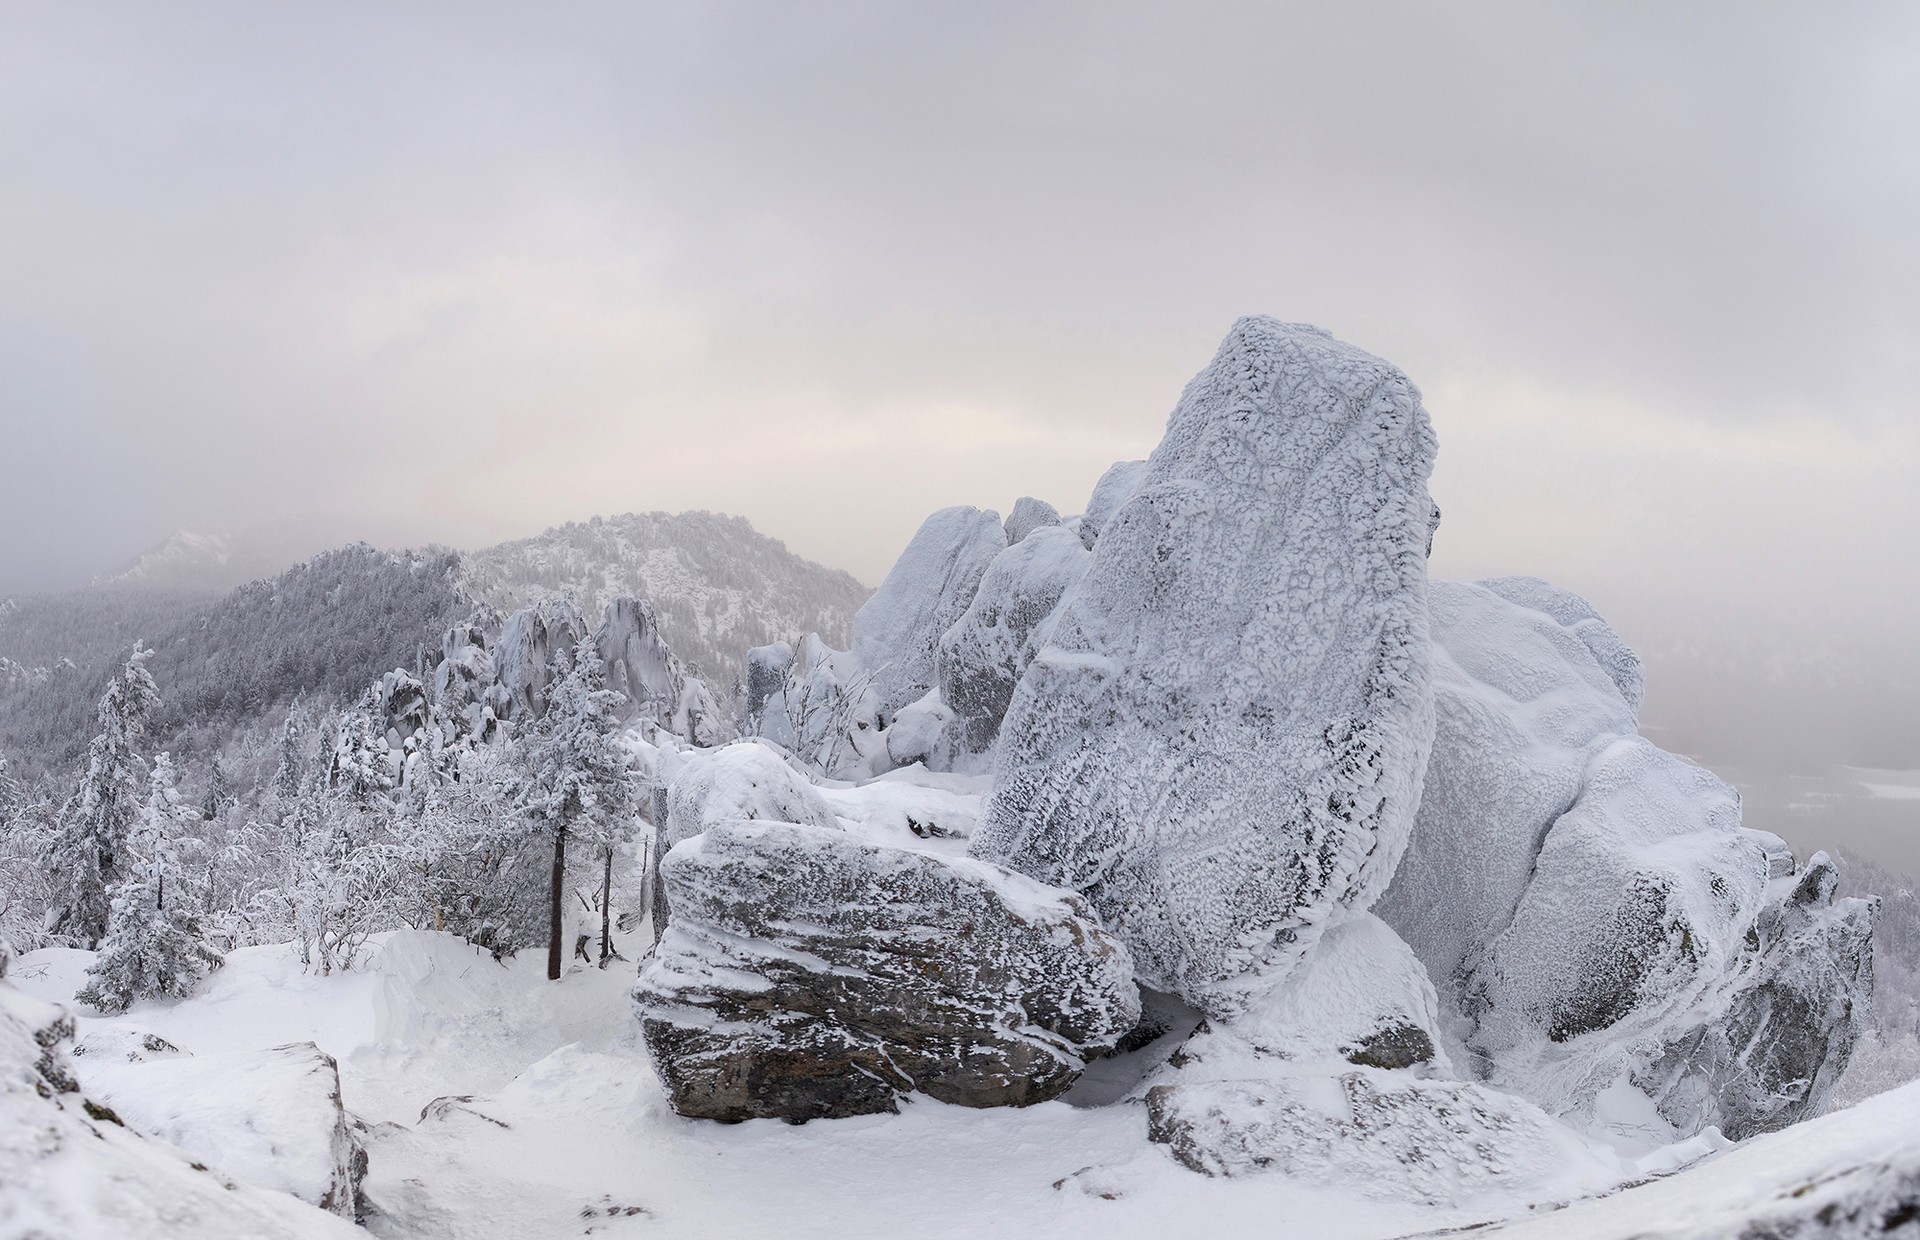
[
  {"x": 154, "y": 946},
  {"x": 88, "y": 855}
]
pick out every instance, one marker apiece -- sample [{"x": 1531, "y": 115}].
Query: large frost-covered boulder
[
  {"x": 643, "y": 669},
  {"x": 983, "y": 655},
  {"x": 1592, "y": 902},
  {"x": 807, "y": 974},
  {"x": 269, "y": 1118},
  {"x": 1222, "y": 742},
  {"x": 1029, "y": 514},
  {"x": 70, "y": 1166},
  {"x": 767, "y": 670},
  {"x": 896, "y": 634}
]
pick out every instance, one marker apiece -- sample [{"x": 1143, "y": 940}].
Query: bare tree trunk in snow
[{"x": 556, "y": 923}]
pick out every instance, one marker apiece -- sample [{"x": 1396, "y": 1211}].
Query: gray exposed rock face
[
  {"x": 807, "y": 975},
  {"x": 1222, "y": 742},
  {"x": 983, "y": 655},
  {"x": 897, "y": 633}
]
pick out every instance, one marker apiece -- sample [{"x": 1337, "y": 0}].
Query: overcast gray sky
[{"x": 458, "y": 272}]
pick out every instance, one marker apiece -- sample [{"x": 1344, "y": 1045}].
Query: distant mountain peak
[{"x": 184, "y": 559}]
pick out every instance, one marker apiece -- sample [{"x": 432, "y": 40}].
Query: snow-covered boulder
[
  {"x": 742, "y": 781},
  {"x": 983, "y": 655},
  {"x": 896, "y": 635},
  {"x": 268, "y": 1118},
  {"x": 71, "y": 1167},
  {"x": 1222, "y": 742},
  {"x": 1028, "y": 515},
  {"x": 831, "y": 710},
  {"x": 1592, "y": 902},
  {"x": 643, "y": 669},
  {"x": 767, "y": 670},
  {"x": 924, "y": 732},
  {"x": 464, "y": 679},
  {"x": 1336, "y": 1076},
  {"x": 531, "y": 642},
  {"x": 1115, "y": 488},
  {"x": 807, "y": 974}
]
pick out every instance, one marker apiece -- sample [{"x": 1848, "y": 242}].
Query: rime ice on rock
[
  {"x": 1222, "y": 742},
  {"x": 808, "y": 974},
  {"x": 897, "y": 634},
  {"x": 983, "y": 655},
  {"x": 1115, "y": 488},
  {"x": 1593, "y": 902},
  {"x": 643, "y": 668},
  {"x": 523, "y": 657},
  {"x": 1028, "y": 515}
]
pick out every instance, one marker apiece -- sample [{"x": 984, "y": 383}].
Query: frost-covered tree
[
  {"x": 575, "y": 780},
  {"x": 359, "y": 768},
  {"x": 475, "y": 870},
  {"x": 286, "y": 777},
  {"x": 153, "y": 946},
  {"x": 86, "y": 857},
  {"x": 219, "y": 796}
]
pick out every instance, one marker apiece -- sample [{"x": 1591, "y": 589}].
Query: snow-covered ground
[{"x": 557, "y": 1125}]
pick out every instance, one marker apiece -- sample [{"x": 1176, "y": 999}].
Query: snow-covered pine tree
[
  {"x": 575, "y": 778},
  {"x": 286, "y": 778},
  {"x": 360, "y": 767},
  {"x": 153, "y": 946},
  {"x": 86, "y": 857},
  {"x": 219, "y": 794}
]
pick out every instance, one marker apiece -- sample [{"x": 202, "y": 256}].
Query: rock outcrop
[
  {"x": 1115, "y": 488},
  {"x": 984, "y": 653},
  {"x": 531, "y": 642},
  {"x": 1593, "y": 904},
  {"x": 644, "y": 670},
  {"x": 896, "y": 635},
  {"x": 1029, "y": 514},
  {"x": 807, "y": 974},
  {"x": 1221, "y": 744}
]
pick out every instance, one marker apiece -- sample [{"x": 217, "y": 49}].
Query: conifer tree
[
  {"x": 286, "y": 779},
  {"x": 219, "y": 794},
  {"x": 153, "y": 946},
  {"x": 575, "y": 780},
  {"x": 87, "y": 854}
]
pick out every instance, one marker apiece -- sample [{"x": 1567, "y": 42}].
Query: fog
[{"x": 458, "y": 272}]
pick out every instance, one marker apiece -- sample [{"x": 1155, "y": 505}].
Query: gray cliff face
[
  {"x": 806, "y": 974},
  {"x": 1221, "y": 743}
]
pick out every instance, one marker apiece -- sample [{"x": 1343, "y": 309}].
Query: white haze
[{"x": 457, "y": 272}]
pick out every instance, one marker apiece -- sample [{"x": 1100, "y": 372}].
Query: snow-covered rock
[
  {"x": 806, "y": 974},
  {"x": 1028, "y": 515},
  {"x": 743, "y": 781},
  {"x": 1592, "y": 904},
  {"x": 268, "y": 1118},
  {"x": 1222, "y": 742},
  {"x": 924, "y": 732},
  {"x": 896, "y": 635},
  {"x": 983, "y": 655},
  {"x": 643, "y": 669},
  {"x": 70, "y": 1167},
  {"x": 1115, "y": 488},
  {"x": 1336, "y": 1076},
  {"x": 766, "y": 684},
  {"x": 463, "y": 680},
  {"x": 531, "y": 641}
]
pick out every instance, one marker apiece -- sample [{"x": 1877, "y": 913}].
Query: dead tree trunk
[{"x": 556, "y": 924}]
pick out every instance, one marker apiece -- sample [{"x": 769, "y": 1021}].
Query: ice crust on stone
[
  {"x": 896, "y": 635},
  {"x": 1222, "y": 742},
  {"x": 1592, "y": 905},
  {"x": 985, "y": 652},
  {"x": 808, "y": 974}
]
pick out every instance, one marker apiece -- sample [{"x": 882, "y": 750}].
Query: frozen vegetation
[{"x": 1189, "y": 862}]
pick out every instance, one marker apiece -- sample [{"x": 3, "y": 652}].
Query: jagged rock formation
[
  {"x": 1222, "y": 742},
  {"x": 896, "y": 635},
  {"x": 1115, "y": 488},
  {"x": 269, "y": 1118},
  {"x": 807, "y": 974},
  {"x": 984, "y": 653},
  {"x": 1592, "y": 902},
  {"x": 532, "y": 641},
  {"x": 644, "y": 669}
]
